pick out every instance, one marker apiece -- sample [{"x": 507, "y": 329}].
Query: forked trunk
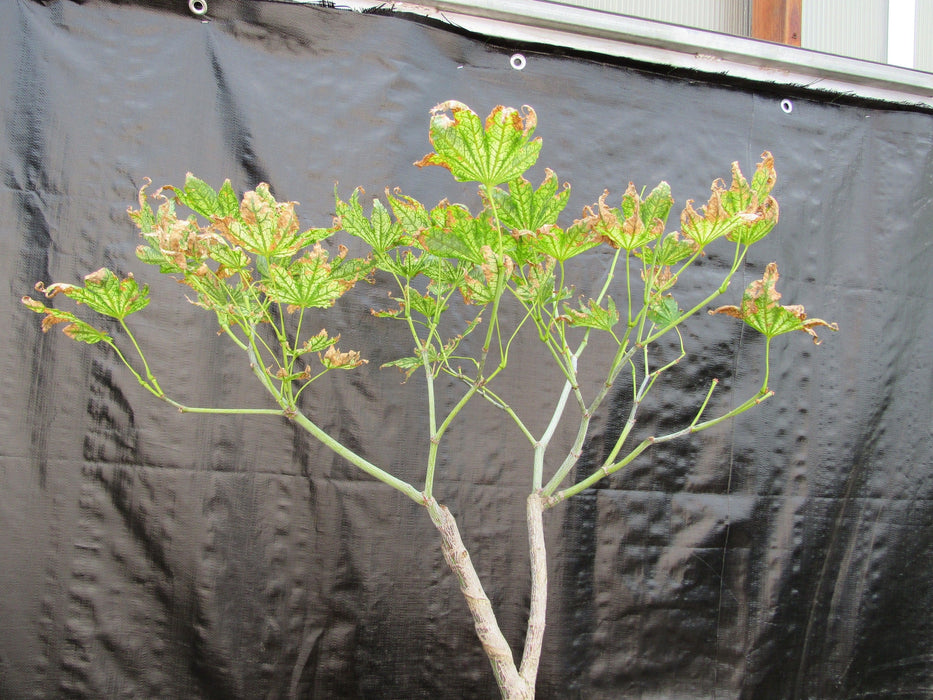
[{"x": 514, "y": 683}]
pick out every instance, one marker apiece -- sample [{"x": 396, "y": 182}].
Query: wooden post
[{"x": 776, "y": 20}]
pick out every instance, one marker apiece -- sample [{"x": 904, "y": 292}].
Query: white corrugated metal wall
[
  {"x": 924, "y": 43},
  {"x": 726, "y": 16},
  {"x": 853, "y": 28}
]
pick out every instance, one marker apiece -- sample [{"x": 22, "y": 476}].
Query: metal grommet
[
  {"x": 517, "y": 61},
  {"x": 787, "y": 106},
  {"x": 198, "y": 7}
]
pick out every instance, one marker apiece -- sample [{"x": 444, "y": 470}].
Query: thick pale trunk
[
  {"x": 514, "y": 684},
  {"x": 535, "y": 634}
]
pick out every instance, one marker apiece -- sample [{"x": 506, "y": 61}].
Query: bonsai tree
[{"x": 248, "y": 261}]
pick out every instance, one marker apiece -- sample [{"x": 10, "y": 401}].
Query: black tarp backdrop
[{"x": 146, "y": 554}]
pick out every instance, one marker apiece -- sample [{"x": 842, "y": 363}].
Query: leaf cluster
[{"x": 249, "y": 261}]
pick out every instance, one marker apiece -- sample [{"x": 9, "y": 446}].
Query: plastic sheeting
[{"x": 148, "y": 554}]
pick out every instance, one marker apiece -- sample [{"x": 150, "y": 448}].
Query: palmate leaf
[
  {"x": 233, "y": 303},
  {"x": 490, "y": 153},
  {"x": 74, "y": 327},
  {"x": 744, "y": 213},
  {"x": 410, "y": 214},
  {"x": 663, "y": 311},
  {"x": 494, "y": 274},
  {"x": 144, "y": 217},
  {"x": 670, "y": 251},
  {"x": 232, "y": 260},
  {"x": 151, "y": 255},
  {"x": 378, "y": 231},
  {"x": 263, "y": 226},
  {"x": 460, "y": 235},
  {"x": 307, "y": 282},
  {"x": 316, "y": 343},
  {"x": 711, "y": 222},
  {"x": 755, "y": 224},
  {"x": 741, "y": 194},
  {"x": 593, "y": 315},
  {"x": 562, "y": 245},
  {"x": 444, "y": 273},
  {"x": 425, "y": 304},
  {"x": 104, "y": 292},
  {"x": 643, "y": 220},
  {"x": 405, "y": 264},
  {"x": 625, "y": 227},
  {"x": 175, "y": 245},
  {"x": 657, "y": 205},
  {"x": 200, "y": 197},
  {"x": 524, "y": 208},
  {"x": 477, "y": 292},
  {"x": 408, "y": 365},
  {"x": 537, "y": 284},
  {"x": 349, "y": 270},
  {"x": 760, "y": 310},
  {"x": 333, "y": 358},
  {"x": 753, "y": 204}
]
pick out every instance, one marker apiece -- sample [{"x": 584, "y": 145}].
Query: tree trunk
[
  {"x": 538, "y": 555},
  {"x": 512, "y": 684}
]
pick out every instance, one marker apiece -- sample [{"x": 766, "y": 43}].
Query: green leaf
[
  {"x": 107, "y": 294},
  {"x": 425, "y": 304},
  {"x": 523, "y": 208},
  {"x": 755, "y": 224},
  {"x": 670, "y": 251},
  {"x": 407, "y": 364},
  {"x": 144, "y": 218},
  {"x": 563, "y": 245},
  {"x": 232, "y": 260},
  {"x": 175, "y": 245},
  {"x": 405, "y": 264},
  {"x": 334, "y": 359},
  {"x": 85, "y": 333},
  {"x": 263, "y": 226},
  {"x": 410, "y": 214},
  {"x": 621, "y": 228},
  {"x": 227, "y": 201},
  {"x": 756, "y": 212},
  {"x": 476, "y": 291},
  {"x": 710, "y": 223},
  {"x": 151, "y": 255},
  {"x": 390, "y": 313},
  {"x": 74, "y": 327},
  {"x": 765, "y": 176},
  {"x": 349, "y": 271},
  {"x": 490, "y": 153},
  {"x": 233, "y": 304},
  {"x": 537, "y": 286},
  {"x": 461, "y": 236},
  {"x": 760, "y": 309},
  {"x": 663, "y": 311},
  {"x": 379, "y": 232},
  {"x": 305, "y": 283},
  {"x": 593, "y": 315},
  {"x": 444, "y": 273},
  {"x": 199, "y": 197},
  {"x": 657, "y": 206},
  {"x": 317, "y": 343},
  {"x": 741, "y": 195}
]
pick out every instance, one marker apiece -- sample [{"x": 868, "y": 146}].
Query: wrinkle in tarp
[{"x": 148, "y": 554}]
